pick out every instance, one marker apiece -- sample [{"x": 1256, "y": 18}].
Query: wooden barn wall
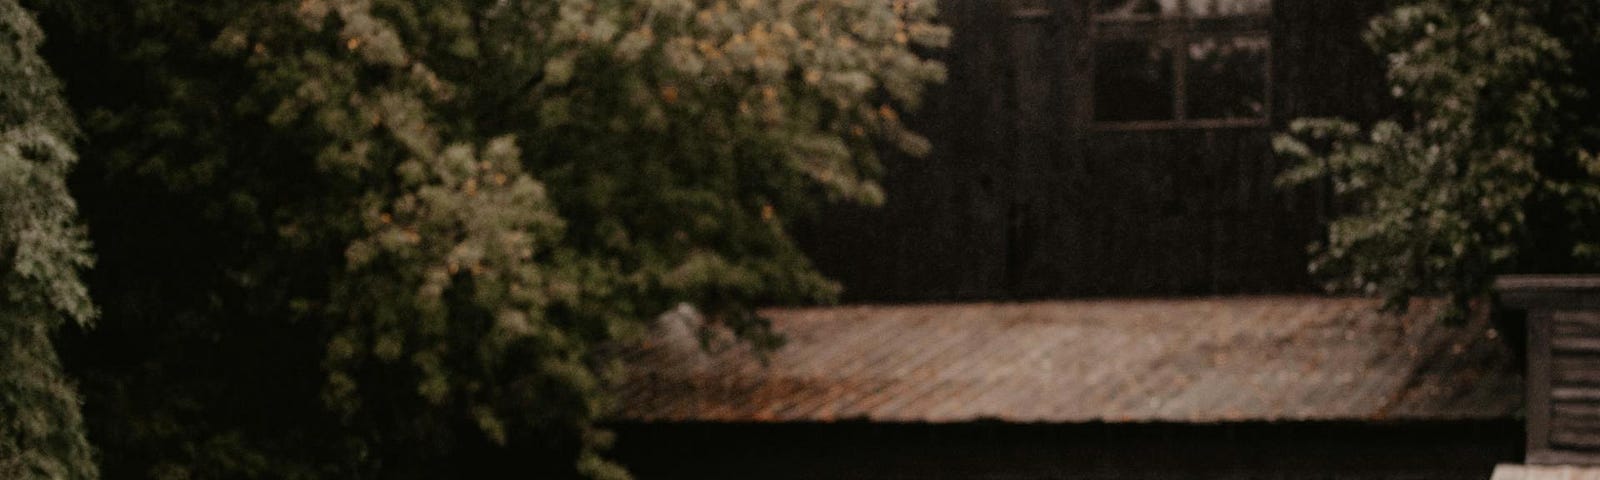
[
  {"x": 1023, "y": 199},
  {"x": 1249, "y": 451}
]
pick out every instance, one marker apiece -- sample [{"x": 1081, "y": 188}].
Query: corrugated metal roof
[{"x": 1171, "y": 360}]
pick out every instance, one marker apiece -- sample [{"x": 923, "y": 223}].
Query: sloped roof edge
[{"x": 1207, "y": 360}]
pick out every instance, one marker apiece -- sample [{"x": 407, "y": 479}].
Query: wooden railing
[{"x": 1563, "y": 376}]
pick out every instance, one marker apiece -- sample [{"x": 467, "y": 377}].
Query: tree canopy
[
  {"x": 42, "y": 249},
  {"x": 399, "y": 239},
  {"x": 1489, "y": 167}
]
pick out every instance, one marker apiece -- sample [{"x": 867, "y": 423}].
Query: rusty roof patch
[{"x": 1169, "y": 360}]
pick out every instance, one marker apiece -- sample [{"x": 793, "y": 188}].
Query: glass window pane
[
  {"x": 1133, "y": 81},
  {"x": 1133, "y": 9},
  {"x": 1229, "y": 8},
  {"x": 1226, "y": 77}
]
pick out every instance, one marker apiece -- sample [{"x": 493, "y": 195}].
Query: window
[{"x": 1181, "y": 63}]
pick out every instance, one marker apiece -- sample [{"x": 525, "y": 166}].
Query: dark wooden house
[
  {"x": 1110, "y": 163},
  {"x": 1109, "y": 147}
]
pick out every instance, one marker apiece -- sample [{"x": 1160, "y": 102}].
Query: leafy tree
[
  {"x": 1488, "y": 169},
  {"x": 395, "y": 238},
  {"x": 41, "y": 251}
]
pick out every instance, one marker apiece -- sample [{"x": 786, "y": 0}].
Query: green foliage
[
  {"x": 41, "y": 252},
  {"x": 394, "y": 239},
  {"x": 1489, "y": 168}
]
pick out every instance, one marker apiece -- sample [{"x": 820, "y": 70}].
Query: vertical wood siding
[{"x": 1023, "y": 198}]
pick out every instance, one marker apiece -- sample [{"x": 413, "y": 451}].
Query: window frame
[{"x": 1178, "y": 32}]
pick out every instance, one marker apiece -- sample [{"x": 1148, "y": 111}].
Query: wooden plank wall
[
  {"x": 1562, "y": 314},
  {"x": 1022, "y": 199},
  {"x": 1574, "y": 399}
]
